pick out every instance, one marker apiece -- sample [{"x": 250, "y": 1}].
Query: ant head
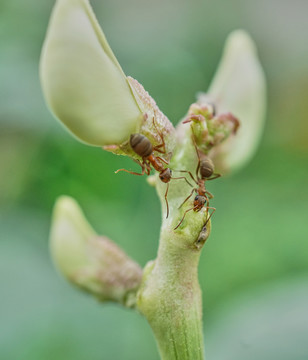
[
  {"x": 165, "y": 175},
  {"x": 206, "y": 167},
  {"x": 199, "y": 201}
]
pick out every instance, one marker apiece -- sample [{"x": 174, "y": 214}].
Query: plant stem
[{"x": 170, "y": 298}]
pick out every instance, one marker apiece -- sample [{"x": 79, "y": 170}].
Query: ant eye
[{"x": 197, "y": 198}]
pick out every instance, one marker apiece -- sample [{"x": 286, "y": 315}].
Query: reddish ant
[
  {"x": 143, "y": 147},
  {"x": 206, "y": 167}
]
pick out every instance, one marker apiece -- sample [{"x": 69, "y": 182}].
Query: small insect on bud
[{"x": 203, "y": 236}]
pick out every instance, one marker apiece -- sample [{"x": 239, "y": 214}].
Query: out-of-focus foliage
[
  {"x": 279, "y": 316},
  {"x": 259, "y": 234}
]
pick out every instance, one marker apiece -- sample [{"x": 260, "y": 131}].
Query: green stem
[
  {"x": 171, "y": 301},
  {"x": 170, "y": 298}
]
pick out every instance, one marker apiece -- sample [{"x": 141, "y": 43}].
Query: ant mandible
[
  {"x": 143, "y": 147},
  {"x": 206, "y": 168}
]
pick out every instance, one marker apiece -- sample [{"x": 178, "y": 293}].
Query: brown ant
[
  {"x": 206, "y": 168},
  {"x": 143, "y": 147}
]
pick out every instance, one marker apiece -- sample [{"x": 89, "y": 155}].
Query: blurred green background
[{"x": 254, "y": 268}]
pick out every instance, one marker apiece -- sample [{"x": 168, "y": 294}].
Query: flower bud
[
  {"x": 83, "y": 83},
  {"x": 91, "y": 262},
  {"x": 238, "y": 88}
]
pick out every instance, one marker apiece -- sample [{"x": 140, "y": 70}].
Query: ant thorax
[{"x": 201, "y": 187}]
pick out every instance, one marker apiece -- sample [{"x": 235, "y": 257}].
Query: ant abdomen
[
  {"x": 206, "y": 167},
  {"x": 141, "y": 145}
]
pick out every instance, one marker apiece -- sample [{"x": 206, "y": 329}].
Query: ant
[
  {"x": 143, "y": 147},
  {"x": 206, "y": 168}
]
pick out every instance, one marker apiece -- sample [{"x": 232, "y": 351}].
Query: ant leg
[
  {"x": 166, "y": 193},
  {"x": 163, "y": 160},
  {"x": 215, "y": 176},
  {"x": 194, "y": 117},
  {"x": 187, "y": 198},
  {"x": 214, "y": 209},
  {"x": 187, "y": 120},
  {"x": 191, "y": 175},
  {"x": 147, "y": 167},
  {"x": 162, "y": 145},
  {"x": 209, "y": 194},
  {"x": 156, "y": 148},
  {"x": 183, "y": 217},
  {"x": 144, "y": 166},
  {"x": 195, "y": 145},
  {"x": 132, "y": 172},
  {"x": 182, "y": 177}
]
